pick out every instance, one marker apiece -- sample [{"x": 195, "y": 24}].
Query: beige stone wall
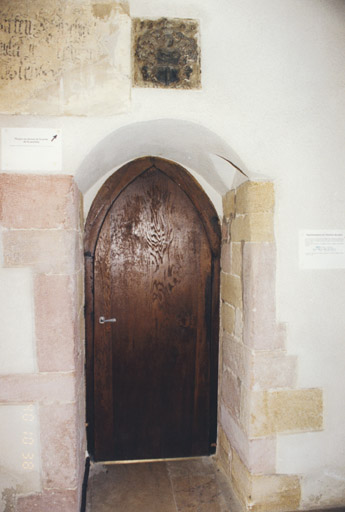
[
  {"x": 64, "y": 58},
  {"x": 258, "y": 395},
  {"x": 42, "y": 235}
]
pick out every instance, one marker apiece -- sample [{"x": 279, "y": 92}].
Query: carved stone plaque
[
  {"x": 166, "y": 53},
  {"x": 64, "y": 58}
]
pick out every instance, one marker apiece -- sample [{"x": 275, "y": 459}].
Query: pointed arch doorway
[{"x": 152, "y": 244}]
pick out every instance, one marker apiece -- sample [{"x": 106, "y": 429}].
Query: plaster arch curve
[{"x": 202, "y": 152}]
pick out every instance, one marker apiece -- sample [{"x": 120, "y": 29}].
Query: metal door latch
[{"x": 103, "y": 320}]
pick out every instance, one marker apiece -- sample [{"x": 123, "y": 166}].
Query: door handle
[{"x": 103, "y": 320}]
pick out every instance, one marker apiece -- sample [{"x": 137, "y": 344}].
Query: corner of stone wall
[
  {"x": 258, "y": 396},
  {"x": 42, "y": 235}
]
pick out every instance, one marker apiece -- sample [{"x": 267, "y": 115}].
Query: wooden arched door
[{"x": 152, "y": 263}]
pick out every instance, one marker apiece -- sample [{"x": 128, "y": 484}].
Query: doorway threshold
[
  {"x": 179, "y": 485},
  {"x": 142, "y": 461}
]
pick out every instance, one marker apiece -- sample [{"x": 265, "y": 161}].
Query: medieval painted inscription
[{"x": 60, "y": 58}]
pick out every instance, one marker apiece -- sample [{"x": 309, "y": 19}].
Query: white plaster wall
[{"x": 273, "y": 75}]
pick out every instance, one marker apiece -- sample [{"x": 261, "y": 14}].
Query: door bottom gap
[{"x": 139, "y": 461}]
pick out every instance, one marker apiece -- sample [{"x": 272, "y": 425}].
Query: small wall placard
[
  {"x": 31, "y": 149},
  {"x": 323, "y": 249}
]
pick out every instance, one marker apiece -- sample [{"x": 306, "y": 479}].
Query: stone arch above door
[{"x": 202, "y": 152}]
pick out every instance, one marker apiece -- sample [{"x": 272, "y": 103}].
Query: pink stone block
[
  {"x": 259, "y": 268},
  {"x": 47, "y": 251},
  {"x": 79, "y": 252},
  {"x": 79, "y": 337},
  {"x": 81, "y": 436},
  {"x": 233, "y": 355},
  {"x": 273, "y": 369},
  {"x": 77, "y": 208},
  {"x": 55, "y": 318},
  {"x": 80, "y": 362},
  {"x": 41, "y": 202},
  {"x": 259, "y": 455},
  {"x": 40, "y": 387},
  {"x": 231, "y": 392},
  {"x": 281, "y": 335},
  {"x": 50, "y": 501},
  {"x": 59, "y": 445},
  {"x": 80, "y": 289}
]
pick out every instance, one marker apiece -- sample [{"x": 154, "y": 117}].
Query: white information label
[
  {"x": 31, "y": 150},
  {"x": 322, "y": 248}
]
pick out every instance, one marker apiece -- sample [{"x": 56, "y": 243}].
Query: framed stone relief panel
[{"x": 166, "y": 53}]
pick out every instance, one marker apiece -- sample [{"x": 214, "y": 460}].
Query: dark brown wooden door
[{"x": 152, "y": 368}]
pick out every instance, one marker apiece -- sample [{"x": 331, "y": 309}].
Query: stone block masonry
[
  {"x": 40, "y": 219},
  {"x": 265, "y": 493},
  {"x": 258, "y": 397},
  {"x": 285, "y": 410}
]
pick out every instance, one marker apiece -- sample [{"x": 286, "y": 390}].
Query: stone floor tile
[
  {"x": 141, "y": 487},
  {"x": 198, "y": 494}
]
